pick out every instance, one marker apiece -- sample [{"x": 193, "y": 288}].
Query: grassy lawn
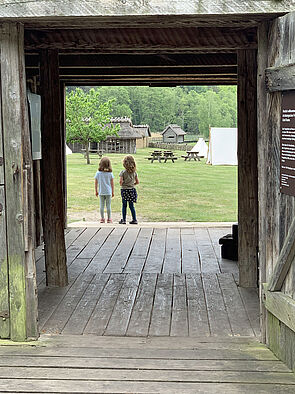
[{"x": 180, "y": 191}]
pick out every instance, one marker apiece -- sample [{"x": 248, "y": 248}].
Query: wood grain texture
[
  {"x": 280, "y": 79},
  {"x": 142, "y": 40},
  {"x": 281, "y": 306},
  {"x": 52, "y": 171},
  {"x": 4, "y": 292},
  {"x": 139, "y": 304},
  {"x": 284, "y": 262},
  {"x": 10, "y": 37},
  {"x": 247, "y": 168}
]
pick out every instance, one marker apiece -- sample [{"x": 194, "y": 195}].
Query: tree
[{"x": 86, "y": 119}]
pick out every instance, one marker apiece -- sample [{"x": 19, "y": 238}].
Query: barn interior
[{"x": 138, "y": 50}]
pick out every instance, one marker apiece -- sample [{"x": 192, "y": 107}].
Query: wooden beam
[
  {"x": 286, "y": 258},
  {"x": 11, "y": 74},
  {"x": 280, "y": 78},
  {"x": 247, "y": 168},
  {"x": 172, "y": 71},
  {"x": 52, "y": 172},
  {"x": 89, "y": 60},
  {"x": 139, "y": 40},
  {"x": 150, "y": 83},
  {"x": 281, "y": 306}
]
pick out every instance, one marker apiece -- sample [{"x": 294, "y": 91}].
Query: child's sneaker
[
  {"x": 102, "y": 220},
  {"x": 122, "y": 221},
  {"x": 109, "y": 221}
]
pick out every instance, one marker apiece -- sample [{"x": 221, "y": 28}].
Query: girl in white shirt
[{"x": 104, "y": 181}]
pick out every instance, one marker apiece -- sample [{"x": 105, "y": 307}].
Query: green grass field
[{"x": 180, "y": 191}]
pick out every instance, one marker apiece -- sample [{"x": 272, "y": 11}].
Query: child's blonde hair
[
  {"x": 129, "y": 164},
  {"x": 105, "y": 165}
]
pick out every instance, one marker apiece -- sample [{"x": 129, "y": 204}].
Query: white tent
[
  {"x": 68, "y": 150},
  {"x": 222, "y": 146},
  {"x": 201, "y": 147}
]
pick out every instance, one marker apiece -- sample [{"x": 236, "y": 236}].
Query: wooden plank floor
[
  {"x": 100, "y": 364},
  {"x": 147, "y": 282},
  {"x": 147, "y": 310}
]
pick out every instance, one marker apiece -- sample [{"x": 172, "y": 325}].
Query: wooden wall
[
  {"x": 276, "y": 210},
  {"x": 16, "y": 193}
]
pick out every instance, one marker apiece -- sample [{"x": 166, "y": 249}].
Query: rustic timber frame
[
  {"x": 277, "y": 230},
  {"x": 142, "y": 50}
]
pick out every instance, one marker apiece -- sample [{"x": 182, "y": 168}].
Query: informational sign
[
  {"x": 287, "y": 178},
  {"x": 35, "y": 124}
]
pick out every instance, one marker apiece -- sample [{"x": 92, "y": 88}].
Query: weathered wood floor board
[
  {"x": 87, "y": 364},
  {"x": 147, "y": 282}
]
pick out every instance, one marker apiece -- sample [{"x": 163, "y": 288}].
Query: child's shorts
[{"x": 129, "y": 194}]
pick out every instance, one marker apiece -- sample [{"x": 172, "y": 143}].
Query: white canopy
[
  {"x": 68, "y": 150},
  {"x": 222, "y": 146},
  {"x": 201, "y": 147}
]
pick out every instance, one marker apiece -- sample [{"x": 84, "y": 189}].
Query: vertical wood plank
[
  {"x": 247, "y": 167},
  {"x": 12, "y": 123},
  {"x": 52, "y": 171},
  {"x": 189, "y": 251},
  {"x": 139, "y": 253},
  {"x": 161, "y": 315},
  {"x": 28, "y": 201},
  {"x": 197, "y": 309},
  {"x": 4, "y": 301},
  {"x": 155, "y": 258},
  {"x": 141, "y": 313},
  {"x": 38, "y": 204},
  {"x": 172, "y": 260},
  {"x": 209, "y": 261},
  {"x": 179, "y": 320},
  {"x": 262, "y": 158},
  {"x": 63, "y": 147},
  {"x": 217, "y": 314}
]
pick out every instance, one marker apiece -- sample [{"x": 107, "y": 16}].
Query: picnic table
[
  {"x": 162, "y": 155},
  {"x": 155, "y": 155},
  {"x": 191, "y": 155},
  {"x": 168, "y": 155}
]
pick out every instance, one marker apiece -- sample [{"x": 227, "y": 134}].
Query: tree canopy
[
  {"x": 194, "y": 108},
  {"x": 87, "y": 117}
]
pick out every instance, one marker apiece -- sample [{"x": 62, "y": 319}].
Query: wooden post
[
  {"x": 63, "y": 145},
  {"x": 52, "y": 172},
  {"x": 11, "y": 42},
  {"x": 4, "y": 295},
  {"x": 247, "y": 169},
  {"x": 28, "y": 202},
  {"x": 262, "y": 142}
]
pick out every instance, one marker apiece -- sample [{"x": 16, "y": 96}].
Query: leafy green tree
[{"x": 86, "y": 120}]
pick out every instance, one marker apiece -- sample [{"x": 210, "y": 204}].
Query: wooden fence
[{"x": 163, "y": 145}]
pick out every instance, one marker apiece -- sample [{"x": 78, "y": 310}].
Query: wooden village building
[
  {"x": 173, "y": 133},
  {"x": 47, "y": 45},
  {"x": 128, "y": 139},
  {"x": 145, "y": 132},
  {"x": 125, "y": 141}
]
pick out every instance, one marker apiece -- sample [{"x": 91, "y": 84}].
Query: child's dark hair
[
  {"x": 105, "y": 165},
  {"x": 129, "y": 164}
]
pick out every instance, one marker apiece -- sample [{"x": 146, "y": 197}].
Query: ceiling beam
[
  {"x": 140, "y": 40},
  {"x": 64, "y": 72},
  {"x": 140, "y": 61}
]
